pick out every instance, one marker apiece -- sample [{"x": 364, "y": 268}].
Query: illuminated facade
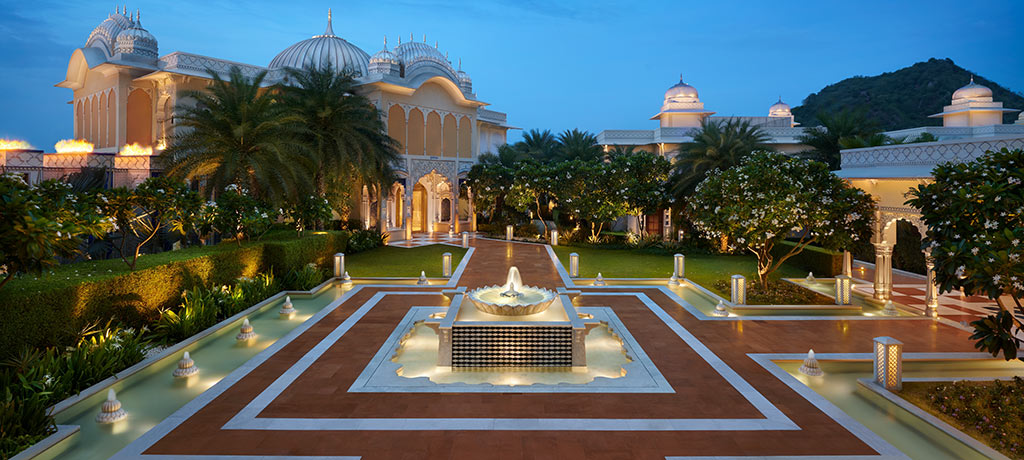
[
  {"x": 125, "y": 93},
  {"x": 682, "y": 113}
]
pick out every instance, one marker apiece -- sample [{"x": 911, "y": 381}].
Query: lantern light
[{"x": 888, "y": 363}]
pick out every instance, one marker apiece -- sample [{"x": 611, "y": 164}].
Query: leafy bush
[
  {"x": 304, "y": 279},
  {"x": 34, "y": 380},
  {"x": 240, "y": 215},
  {"x": 363, "y": 240},
  {"x": 822, "y": 262},
  {"x": 203, "y": 307},
  {"x": 51, "y": 310},
  {"x": 777, "y": 293},
  {"x": 992, "y": 412}
]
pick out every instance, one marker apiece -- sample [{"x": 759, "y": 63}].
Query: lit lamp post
[
  {"x": 679, "y": 261},
  {"x": 574, "y": 265},
  {"x": 739, "y": 290},
  {"x": 446, "y": 264},
  {"x": 465, "y": 239},
  {"x": 339, "y": 264},
  {"x": 889, "y": 363},
  {"x": 508, "y": 232},
  {"x": 554, "y": 237},
  {"x": 843, "y": 286}
]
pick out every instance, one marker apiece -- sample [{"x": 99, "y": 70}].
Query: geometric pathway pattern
[{"x": 293, "y": 399}]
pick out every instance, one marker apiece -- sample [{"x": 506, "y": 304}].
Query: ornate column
[
  {"x": 407, "y": 210},
  {"x": 472, "y": 209},
  {"x": 382, "y": 210},
  {"x": 455, "y": 205},
  {"x": 931, "y": 291},
  {"x": 364, "y": 210},
  {"x": 883, "y": 271}
]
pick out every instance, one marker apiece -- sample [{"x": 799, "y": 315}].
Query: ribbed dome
[
  {"x": 681, "y": 92},
  {"x": 412, "y": 52},
  {"x": 137, "y": 41},
  {"x": 384, "y": 56},
  {"x": 780, "y": 109},
  {"x": 323, "y": 49},
  {"x": 105, "y": 34},
  {"x": 971, "y": 91}
]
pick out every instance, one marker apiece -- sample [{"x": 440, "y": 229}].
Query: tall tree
[
  {"x": 342, "y": 130},
  {"x": 644, "y": 179},
  {"x": 578, "y": 145},
  {"x": 716, "y": 145},
  {"x": 233, "y": 132},
  {"x": 827, "y": 140},
  {"x": 538, "y": 145}
]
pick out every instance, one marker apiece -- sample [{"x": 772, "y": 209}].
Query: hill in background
[{"x": 904, "y": 98}]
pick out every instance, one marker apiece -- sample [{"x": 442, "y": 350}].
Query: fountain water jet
[{"x": 511, "y": 298}]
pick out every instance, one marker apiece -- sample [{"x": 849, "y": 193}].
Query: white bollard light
[
  {"x": 679, "y": 262},
  {"x": 554, "y": 237},
  {"x": 508, "y": 232},
  {"x": 889, "y": 363},
  {"x": 844, "y": 284},
  {"x": 339, "y": 264},
  {"x": 739, "y": 290},
  {"x": 574, "y": 265},
  {"x": 446, "y": 264},
  {"x": 465, "y": 239},
  {"x": 847, "y": 263}
]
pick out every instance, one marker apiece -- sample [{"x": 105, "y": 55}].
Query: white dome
[
  {"x": 411, "y": 52},
  {"x": 681, "y": 92},
  {"x": 137, "y": 41},
  {"x": 780, "y": 109},
  {"x": 971, "y": 91},
  {"x": 323, "y": 49},
  {"x": 105, "y": 34}
]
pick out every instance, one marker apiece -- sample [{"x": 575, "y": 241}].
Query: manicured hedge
[
  {"x": 50, "y": 311},
  {"x": 822, "y": 262}
]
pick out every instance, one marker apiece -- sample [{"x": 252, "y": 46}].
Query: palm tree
[
  {"x": 343, "y": 130},
  {"x": 824, "y": 140},
  {"x": 873, "y": 140},
  {"x": 507, "y": 156},
  {"x": 235, "y": 133},
  {"x": 539, "y": 145},
  {"x": 620, "y": 150},
  {"x": 716, "y": 145},
  {"x": 579, "y": 145}
]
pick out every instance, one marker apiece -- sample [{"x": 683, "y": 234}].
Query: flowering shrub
[
  {"x": 240, "y": 215},
  {"x": 42, "y": 223},
  {"x": 139, "y": 214},
  {"x": 770, "y": 196},
  {"x": 993, "y": 411},
  {"x": 311, "y": 212},
  {"x": 975, "y": 217}
]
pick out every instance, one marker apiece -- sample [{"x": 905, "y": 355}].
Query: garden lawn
[
  {"x": 703, "y": 269},
  {"x": 391, "y": 261}
]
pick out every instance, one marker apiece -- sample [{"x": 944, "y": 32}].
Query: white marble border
[
  {"x": 248, "y": 418},
  {"x": 642, "y": 376}
]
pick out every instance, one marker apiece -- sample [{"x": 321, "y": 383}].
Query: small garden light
[
  {"x": 574, "y": 265},
  {"x": 843, "y": 286},
  {"x": 446, "y": 264},
  {"x": 339, "y": 264},
  {"x": 739, "y": 290},
  {"x": 889, "y": 363}
]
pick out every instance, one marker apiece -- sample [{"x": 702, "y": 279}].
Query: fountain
[
  {"x": 186, "y": 367},
  {"x": 720, "y": 310},
  {"x": 512, "y": 326},
  {"x": 287, "y": 309},
  {"x": 423, "y": 278},
  {"x": 810, "y": 366},
  {"x": 247, "y": 332},
  {"x": 346, "y": 279},
  {"x": 511, "y": 298},
  {"x": 890, "y": 309},
  {"x": 111, "y": 410}
]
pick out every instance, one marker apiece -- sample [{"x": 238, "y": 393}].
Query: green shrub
[
  {"x": 363, "y": 240},
  {"x": 821, "y": 262},
  {"x": 305, "y": 279},
  {"x": 49, "y": 311}
]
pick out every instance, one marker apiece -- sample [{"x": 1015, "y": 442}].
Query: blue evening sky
[{"x": 592, "y": 65}]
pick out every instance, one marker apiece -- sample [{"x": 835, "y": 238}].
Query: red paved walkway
[{"x": 700, "y": 391}]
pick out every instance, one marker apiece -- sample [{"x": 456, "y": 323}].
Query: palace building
[
  {"x": 682, "y": 113},
  {"x": 124, "y": 95}
]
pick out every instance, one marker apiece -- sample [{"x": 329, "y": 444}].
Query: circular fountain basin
[{"x": 530, "y": 300}]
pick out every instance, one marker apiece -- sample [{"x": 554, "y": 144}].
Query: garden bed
[{"x": 991, "y": 412}]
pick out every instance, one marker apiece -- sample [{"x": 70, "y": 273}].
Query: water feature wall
[{"x": 513, "y": 345}]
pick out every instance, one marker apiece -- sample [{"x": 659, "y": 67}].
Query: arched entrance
[{"x": 884, "y": 240}]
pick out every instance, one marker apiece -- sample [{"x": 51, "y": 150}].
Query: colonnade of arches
[
  {"x": 884, "y": 240},
  {"x": 434, "y": 133},
  {"x": 96, "y": 118},
  {"x": 431, "y": 204}
]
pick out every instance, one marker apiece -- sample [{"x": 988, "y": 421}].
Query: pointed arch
[
  {"x": 140, "y": 118},
  {"x": 415, "y": 132},
  {"x": 396, "y": 126},
  {"x": 450, "y": 136},
  {"x": 101, "y": 140},
  {"x": 87, "y": 133},
  {"x": 465, "y": 137},
  {"x": 433, "y": 134}
]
